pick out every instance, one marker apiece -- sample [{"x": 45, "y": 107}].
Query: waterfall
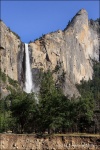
[{"x": 28, "y": 74}]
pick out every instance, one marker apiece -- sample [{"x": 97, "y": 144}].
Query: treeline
[{"x": 50, "y": 111}]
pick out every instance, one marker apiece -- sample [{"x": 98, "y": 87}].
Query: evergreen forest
[{"x": 50, "y": 111}]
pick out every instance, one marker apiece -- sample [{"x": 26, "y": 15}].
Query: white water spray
[{"x": 28, "y": 74}]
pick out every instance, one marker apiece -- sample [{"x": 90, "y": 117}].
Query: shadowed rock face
[{"x": 71, "y": 49}]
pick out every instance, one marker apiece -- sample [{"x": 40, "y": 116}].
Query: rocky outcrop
[
  {"x": 9, "y": 48},
  {"x": 11, "y": 56},
  {"x": 30, "y": 142},
  {"x": 70, "y": 50}
]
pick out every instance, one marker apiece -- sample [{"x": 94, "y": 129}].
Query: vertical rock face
[
  {"x": 10, "y": 46},
  {"x": 71, "y": 50},
  {"x": 11, "y": 57}
]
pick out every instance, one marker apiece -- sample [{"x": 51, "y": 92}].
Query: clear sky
[{"x": 31, "y": 19}]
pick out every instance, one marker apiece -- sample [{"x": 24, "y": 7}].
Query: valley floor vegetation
[{"x": 53, "y": 112}]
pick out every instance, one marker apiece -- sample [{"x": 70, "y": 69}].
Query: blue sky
[{"x": 31, "y": 19}]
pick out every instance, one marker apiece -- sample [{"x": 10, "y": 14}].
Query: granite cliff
[{"x": 70, "y": 51}]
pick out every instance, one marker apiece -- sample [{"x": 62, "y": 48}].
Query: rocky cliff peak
[
  {"x": 71, "y": 49},
  {"x": 82, "y": 11},
  {"x": 78, "y": 20}
]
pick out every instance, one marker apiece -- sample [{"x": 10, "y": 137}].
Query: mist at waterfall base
[{"x": 28, "y": 75}]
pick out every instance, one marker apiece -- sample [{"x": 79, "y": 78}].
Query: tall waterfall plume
[{"x": 28, "y": 74}]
